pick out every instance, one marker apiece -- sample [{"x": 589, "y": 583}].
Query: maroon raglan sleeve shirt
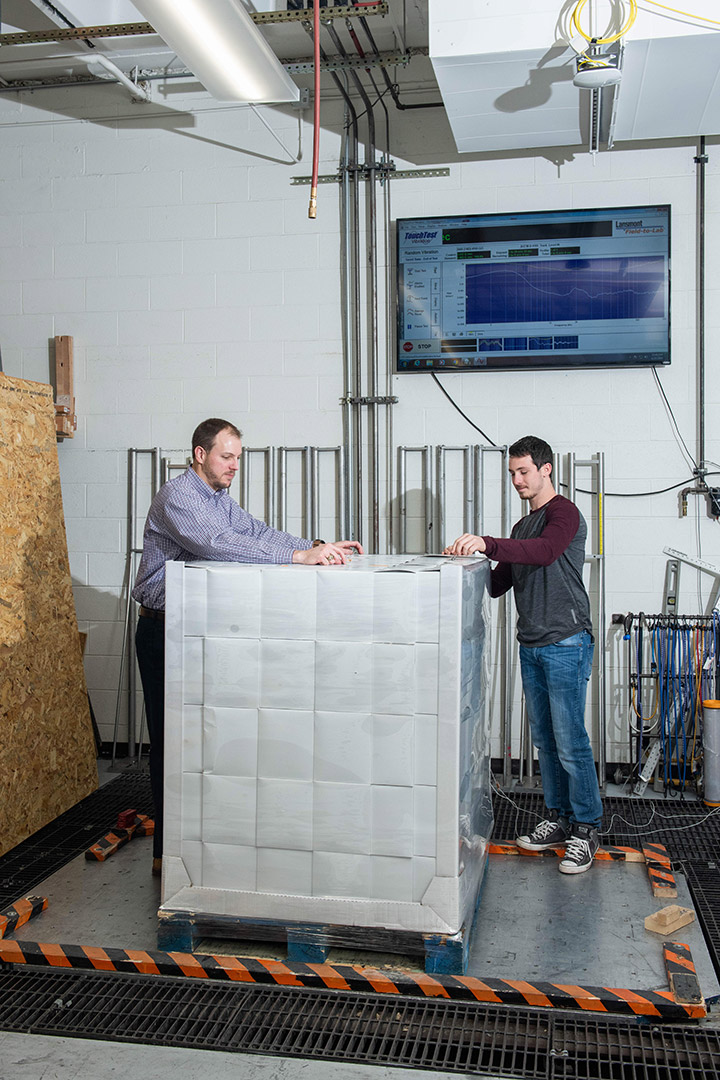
[{"x": 542, "y": 562}]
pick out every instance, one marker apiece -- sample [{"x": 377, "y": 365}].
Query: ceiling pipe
[{"x": 137, "y": 91}]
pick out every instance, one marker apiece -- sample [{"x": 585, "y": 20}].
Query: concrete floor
[{"x": 533, "y": 923}]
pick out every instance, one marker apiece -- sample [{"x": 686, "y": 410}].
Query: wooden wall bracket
[{"x": 65, "y": 418}]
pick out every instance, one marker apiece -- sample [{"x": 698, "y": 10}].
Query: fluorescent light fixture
[{"x": 221, "y": 45}]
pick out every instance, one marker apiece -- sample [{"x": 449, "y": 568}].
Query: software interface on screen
[{"x": 551, "y": 289}]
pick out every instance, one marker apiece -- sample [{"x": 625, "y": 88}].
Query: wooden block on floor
[{"x": 669, "y": 919}]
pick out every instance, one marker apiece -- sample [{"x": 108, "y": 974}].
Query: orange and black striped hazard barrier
[
  {"x": 659, "y": 870},
  {"x": 604, "y": 854},
  {"x": 655, "y": 857},
  {"x": 129, "y": 824},
  {"x": 658, "y": 1004},
  {"x": 21, "y": 912},
  {"x": 682, "y": 977}
]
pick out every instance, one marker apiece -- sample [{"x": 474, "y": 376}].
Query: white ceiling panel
[
  {"x": 505, "y": 102},
  {"x": 505, "y": 74},
  {"x": 670, "y": 88}
]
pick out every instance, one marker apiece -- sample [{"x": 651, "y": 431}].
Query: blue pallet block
[{"x": 310, "y": 943}]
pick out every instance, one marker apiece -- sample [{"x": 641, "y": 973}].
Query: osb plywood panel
[{"x": 47, "y": 751}]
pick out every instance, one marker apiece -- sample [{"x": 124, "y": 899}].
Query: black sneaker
[
  {"x": 546, "y": 834},
  {"x": 580, "y": 850}
]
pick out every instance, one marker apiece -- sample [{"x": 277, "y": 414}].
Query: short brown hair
[
  {"x": 533, "y": 447},
  {"x": 206, "y": 433}
]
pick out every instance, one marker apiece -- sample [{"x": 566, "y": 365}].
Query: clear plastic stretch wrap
[{"x": 327, "y": 747}]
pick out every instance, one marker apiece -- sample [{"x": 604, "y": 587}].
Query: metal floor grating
[
  {"x": 53, "y": 846},
  {"x": 689, "y": 830},
  {"x": 704, "y": 882},
  {"x": 466, "y": 1038}
]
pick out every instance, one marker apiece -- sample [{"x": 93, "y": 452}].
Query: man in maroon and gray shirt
[{"x": 543, "y": 563}]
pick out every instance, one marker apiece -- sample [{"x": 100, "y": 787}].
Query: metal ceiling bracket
[
  {"x": 260, "y": 18},
  {"x": 305, "y": 65},
  {"x": 346, "y": 12},
  {"x": 381, "y": 173},
  {"x": 375, "y": 400},
  {"x": 68, "y": 33}
]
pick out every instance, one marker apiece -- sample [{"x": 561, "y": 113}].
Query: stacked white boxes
[{"x": 327, "y": 748}]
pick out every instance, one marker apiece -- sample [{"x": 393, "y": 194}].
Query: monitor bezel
[{"x": 537, "y": 363}]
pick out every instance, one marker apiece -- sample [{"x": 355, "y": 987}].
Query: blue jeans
[{"x": 555, "y": 679}]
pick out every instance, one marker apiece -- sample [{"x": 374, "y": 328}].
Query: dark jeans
[{"x": 150, "y": 648}]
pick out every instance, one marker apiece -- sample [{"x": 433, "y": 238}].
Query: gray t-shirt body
[{"x": 543, "y": 562}]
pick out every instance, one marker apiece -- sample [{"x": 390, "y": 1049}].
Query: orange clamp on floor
[
  {"x": 659, "y": 870},
  {"x": 21, "y": 912},
  {"x": 681, "y": 974},
  {"x": 129, "y": 824},
  {"x": 109, "y": 844}
]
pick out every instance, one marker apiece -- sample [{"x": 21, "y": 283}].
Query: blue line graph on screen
[{"x": 565, "y": 290}]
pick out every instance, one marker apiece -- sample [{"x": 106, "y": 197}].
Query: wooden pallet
[{"x": 310, "y": 943}]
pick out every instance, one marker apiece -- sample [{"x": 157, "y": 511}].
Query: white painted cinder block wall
[{"x": 168, "y": 241}]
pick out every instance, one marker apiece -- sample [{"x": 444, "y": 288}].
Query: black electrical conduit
[
  {"x": 373, "y": 300},
  {"x": 391, "y": 86},
  {"x": 701, "y": 162},
  {"x": 353, "y": 382}
]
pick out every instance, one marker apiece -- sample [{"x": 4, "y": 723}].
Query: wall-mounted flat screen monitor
[{"x": 548, "y": 289}]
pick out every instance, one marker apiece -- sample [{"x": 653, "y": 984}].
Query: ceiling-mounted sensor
[{"x": 594, "y": 72}]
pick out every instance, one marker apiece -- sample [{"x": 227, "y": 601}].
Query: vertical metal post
[
  {"x": 701, "y": 162},
  {"x": 468, "y": 490},
  {"x": 343, "y": 500},
  {"x": 245, "y": 479},
  {"x": 270, "y": 487},
  {"x": 596, "y": 557},
  {"x": 132, "y": 495},
  {"x": 402, "y": 498},
  {"x": 526, "y": 753},
  {"x": 530, "y": 780},
  {"x": 307, "y": 491},
  {"x": 571, "y": 477},
  {"x": 349, "y": 352},
  {"x": 479, "y": 491},
  {"x": 314, "y": 475},
  {"x": 157, "y": 480},
  {"x": 127, "y": 656},
  {"x": 441, "y": 495},
  {"x": 521, "y": 749},
  {"x": 506, "y": 653},
  {"x": 282, "y": 488},
  {"x": 602, "y": 628},
  {"x": 428, "y": 487}
]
